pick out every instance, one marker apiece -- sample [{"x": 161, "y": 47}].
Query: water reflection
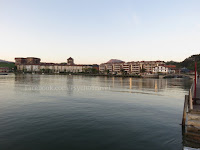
[
  {"x": 27, "y": 83},
  {"x": 27, "y": 79},
  {"x": 129, "y": 85},
  {"x": 152, "y": 85},
  {"x": 156, "y": 86},
  {"x": 70, "y": 84},
  {"x": 130, "y": 81}
]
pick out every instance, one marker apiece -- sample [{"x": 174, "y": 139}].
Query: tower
[{"x": 70, "y": 61}]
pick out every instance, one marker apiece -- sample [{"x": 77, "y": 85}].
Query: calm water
[{"x": 55, "y": 112}]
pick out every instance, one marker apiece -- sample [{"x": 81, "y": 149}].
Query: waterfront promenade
[
  {"x": 198, "y": 90},
  {"x": 191, "y": 117},
  {"x": 196, "y": 97}
]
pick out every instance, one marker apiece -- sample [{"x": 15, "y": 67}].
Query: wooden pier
[{"x": 191, "y": 117}]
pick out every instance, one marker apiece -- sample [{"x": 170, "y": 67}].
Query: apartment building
[
  {"x": 117, "y": 67},
  {"x": 126, "y": 67},
  {"x": 130, "y": 67},
  {"x": 149, "y": 65},
  {"x": 102, "y": 68},
  {"x": 135, "y": 67}
]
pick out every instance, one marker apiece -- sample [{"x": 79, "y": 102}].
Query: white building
[
  {"x": 161, "y": 69},
  {"x": 34, "y": 65}
]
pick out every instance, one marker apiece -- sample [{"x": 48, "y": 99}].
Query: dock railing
[
  {"x": 188, "y": 103},
  {"x": 191, "y": 95},
  {"x": 185, "y": 110}
]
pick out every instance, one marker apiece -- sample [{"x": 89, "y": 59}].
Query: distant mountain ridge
[
  {"x": 4, "y": 61},
  {"x": 115, "y": 61}
]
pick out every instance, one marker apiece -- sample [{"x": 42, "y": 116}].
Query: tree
[
  {"x": 107, "y": 71},
  {"x": 94, "y": 71},
  {"x": 122, "y": 71},
  {"x": 42, "y": 70},
  {"x": 143, "y": 70}
]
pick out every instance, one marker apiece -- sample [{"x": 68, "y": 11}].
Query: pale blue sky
[{"x": 94, "y": 31}]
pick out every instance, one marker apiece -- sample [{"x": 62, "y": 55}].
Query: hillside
[
  {"x": 188, "y": 62},
  {"x": 115, "y": 61},
  {"x": 9, "y": 64},
  {"x": 4, "y": 61}
]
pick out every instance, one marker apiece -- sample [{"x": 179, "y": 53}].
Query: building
[
  {"x": 161, "y": 69},
  {"x": 126, "y": 67},
  {"x": 70, "y": 61},
  {"x": 32, "y": 60},
  {"x": 173, "y": 69},
  {"x": 28, "y": 60},
  {"x": 117, "y": 67},
  {"x": 149, "y": 65},
  {"x": 135, "y": 67},
  {"x": 4, "y": 69},
  {"x": 102, "y": 68},
  {"x": 129, "y": 67},
  {"x": 109, "y": 68},
  {"x": 20, "y": 61},
  {"x": 31, "y": 64}
]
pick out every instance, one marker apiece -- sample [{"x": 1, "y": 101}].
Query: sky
[{"x": 94, "y": 31}]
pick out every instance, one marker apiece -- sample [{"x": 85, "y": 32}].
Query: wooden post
[
  {"x": 185, "y": 110},
  {"x": 195, "y": 80},
  {"x": 190, "y": 100}
]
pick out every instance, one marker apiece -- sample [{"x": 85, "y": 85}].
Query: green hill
[
  {"x": 188, "y": 63},
  {"x": 9, "y": 65}
]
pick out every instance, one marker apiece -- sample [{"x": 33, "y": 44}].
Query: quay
[{"x": 191, "y": 116}]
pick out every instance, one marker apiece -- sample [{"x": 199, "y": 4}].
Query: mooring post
[
  {"x": 185, "y": 110},
  {"x": 195, "y": 80},
  {"x": 190, "y": 100}
]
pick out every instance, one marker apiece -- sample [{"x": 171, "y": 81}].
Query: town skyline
[{"x": 13, "y": 60}]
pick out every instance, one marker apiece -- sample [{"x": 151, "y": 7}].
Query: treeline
[
  {"x": 188, "y": 63},
  {"x": 11, "y": 66}
]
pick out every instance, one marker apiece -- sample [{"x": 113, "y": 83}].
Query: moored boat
[{"x": 3, "y": 74}]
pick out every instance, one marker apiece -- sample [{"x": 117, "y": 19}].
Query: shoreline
[
  {"x": 153, "y": 76},
  {"x": 133, "y": 76}
]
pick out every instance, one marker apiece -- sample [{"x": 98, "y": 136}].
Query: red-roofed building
[
  {"x": 4, "y": 69},
  {"x": 171, "y": 66}
]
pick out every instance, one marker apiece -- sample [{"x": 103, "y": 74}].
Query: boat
[{"x": 3, "y": 74}]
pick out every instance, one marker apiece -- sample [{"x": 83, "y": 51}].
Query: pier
[{"x": 191, "y": 116}]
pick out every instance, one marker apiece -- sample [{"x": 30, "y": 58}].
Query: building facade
[
  {"x": 163, "y": 69},
  {"x": 4, "y": 69},
  {"x": 130, "y": 67},
  {"x": 31, "y": 64},
  {"x": 160, "y": 69}
]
